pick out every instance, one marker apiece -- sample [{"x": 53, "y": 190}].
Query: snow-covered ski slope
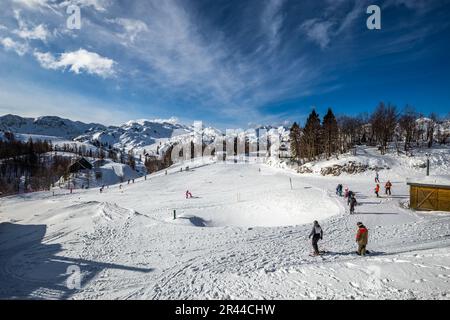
[{"x": 243, "y": 235}]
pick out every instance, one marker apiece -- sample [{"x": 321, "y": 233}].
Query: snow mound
[
  {"x": 111, "y": 211},
  {"x": 240, "y": 195}
]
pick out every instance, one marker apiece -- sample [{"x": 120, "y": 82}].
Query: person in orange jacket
[
  {"x": 388, "y": 187},
  {"x": 362, "y": 238},
  {"x": 377, "y": 190}
]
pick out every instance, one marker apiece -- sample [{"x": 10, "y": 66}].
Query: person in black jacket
[
  {"x": 316, "y": 234},
  {"x": 353, "y": 204}
]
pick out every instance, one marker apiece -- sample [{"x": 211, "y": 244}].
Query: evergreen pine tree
[
  {"x": 329, "y": 133},
  {"x": 295, "y": 139},
  {"x": 311, "y": 136}
]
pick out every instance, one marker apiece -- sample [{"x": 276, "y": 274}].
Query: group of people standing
[
  {"x": 362, "y": 238},
  {"x": 349, "y": 195},
  {"x": 387, "y": 186}
]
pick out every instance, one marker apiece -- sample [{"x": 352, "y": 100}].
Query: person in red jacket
[
  {"x": 377, "y": 190},
  {"x": 362, "y": 238}
]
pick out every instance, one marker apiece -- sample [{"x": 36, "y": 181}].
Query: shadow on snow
[{"x": 42, "y": 274}]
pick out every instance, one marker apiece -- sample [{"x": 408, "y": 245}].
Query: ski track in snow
[{"x": 129, "y": 247}]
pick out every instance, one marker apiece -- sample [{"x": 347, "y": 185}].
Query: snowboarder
[
  {"x": 377, "y": 177},
  {"x": 362, "y": 237},
  {"x": 316, "y": 234},
  {"x": 353, "y": 204},
  {"x": 388, "y": 187},
  {"x": 188, "y": 194},
  {"x": 377, "y": 190}
]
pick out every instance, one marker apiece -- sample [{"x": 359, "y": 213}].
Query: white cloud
[
  {"x": 318, "y": 31},
  {"x": 132, "y": 27},
  {"x": 10, "y": 44},
  {"x": 272, "y": 20},
  {"x": 39, "y": 32},
  {"x": 99, "y": 5},
  {"x": 35, "y": 4},
  {"x": 77, "y": 62}
]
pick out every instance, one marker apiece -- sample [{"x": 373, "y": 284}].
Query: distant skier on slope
[
  {"x": 350, "y": 195},
  {"x": 353, "y": 204},
  {"x": 188, "y": 194},
  {"x": 377, "y": 177},
  {"x": 377, "y": 190},
  {"x": 339, "y": 190},
  {"x": 316, "y": 234},
  {"x": 388, "y": 187}
]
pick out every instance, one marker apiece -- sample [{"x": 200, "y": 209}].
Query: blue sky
[{"x": 228, "y": 63}]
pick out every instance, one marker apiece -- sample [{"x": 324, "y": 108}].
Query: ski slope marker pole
[
  {"x": 174, "y": 214},
  {"x": 290, "y": 180}
]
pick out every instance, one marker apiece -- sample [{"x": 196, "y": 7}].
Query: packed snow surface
[{"x": 243, "y": 235}]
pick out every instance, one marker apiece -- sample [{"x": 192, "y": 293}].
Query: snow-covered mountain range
[
  {"x": 47, "y": 125},
  {"x": 139, "y": 135}
]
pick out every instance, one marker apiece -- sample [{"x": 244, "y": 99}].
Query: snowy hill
[
  {"x": 49, "y": 126},
  {"x": 104, "y": 173},
  {"x": 243, "y": 235}
]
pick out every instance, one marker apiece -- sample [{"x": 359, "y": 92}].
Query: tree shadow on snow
[
  {"x": 377, "y": 213},
  {"x": 31, "y": 269},
  {"x": 369, "y": 202},
  {"x": 196, "y": 221},
  {"x": 353, "y": 253}
]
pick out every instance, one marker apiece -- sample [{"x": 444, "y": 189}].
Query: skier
[
  {"x": 377, "y": 177},
  {"x": 353, "y": 204},
  {"x": 377, "y": 190},
  {"x": 388, "y": 187},
  {"x": 350, "y": 195},
  {"x": 362, "y": 237},
  {"x": 339, "y": 190},
  {"x": 188, "y": 194},
  {"x": 316, "y": 234},
  {"x": 346, "y": 193}
]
